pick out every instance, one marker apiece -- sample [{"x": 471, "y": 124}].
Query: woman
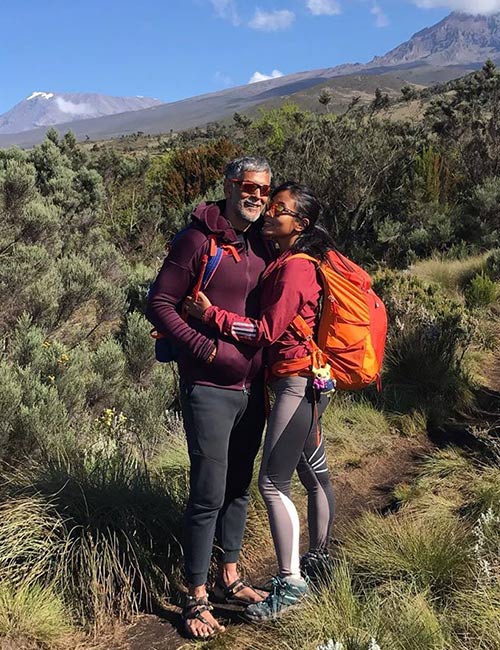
[{"x": 293, "y": 438}]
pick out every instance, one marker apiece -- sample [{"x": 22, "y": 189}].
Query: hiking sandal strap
[
  {"x": 231, "y": 592},
  {"x": 195, "y": 607},
  {"x": 234, "y": 587}
]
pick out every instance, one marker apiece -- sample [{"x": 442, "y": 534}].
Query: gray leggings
[{"x": 291, "y": 443}]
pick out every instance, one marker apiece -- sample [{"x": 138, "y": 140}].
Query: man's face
[{"x": 246, "y": 197}]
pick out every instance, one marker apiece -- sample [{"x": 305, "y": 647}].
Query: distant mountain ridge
[
  {"x": 455, "y": 46},
  {"x": 47, "y": 108}
]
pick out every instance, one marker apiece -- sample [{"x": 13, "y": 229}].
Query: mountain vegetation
[{"x": 93, "y": 459}]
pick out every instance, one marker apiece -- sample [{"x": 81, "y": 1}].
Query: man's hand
[
  {"x": 197, "y": 308},
  {"x": 212, "y": 356}
]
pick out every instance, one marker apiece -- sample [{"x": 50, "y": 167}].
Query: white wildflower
[
  {"x": 487, "y": 563},
  {"x": 374, "y": 645},
  {"x": 331, "y": 645}
]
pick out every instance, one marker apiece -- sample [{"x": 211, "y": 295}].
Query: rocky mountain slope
[{"x": 457, "y": 39}]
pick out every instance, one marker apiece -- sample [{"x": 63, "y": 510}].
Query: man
[{"x": 221, "y": 381}]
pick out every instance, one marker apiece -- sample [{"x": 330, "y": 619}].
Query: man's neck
[{"x": 239, "y": 224}]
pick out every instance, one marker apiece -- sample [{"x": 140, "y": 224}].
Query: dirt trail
[{"x": 357, "y": 490}]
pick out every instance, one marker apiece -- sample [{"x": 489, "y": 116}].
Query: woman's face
[{"x": 282, "y": 222}]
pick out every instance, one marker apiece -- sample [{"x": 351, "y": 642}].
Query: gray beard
[{"x": 240, "y": 211}]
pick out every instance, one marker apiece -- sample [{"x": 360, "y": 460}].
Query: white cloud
[
  {"x": 227, "y": 9},
  {"x": 467, "y": 6},
  {"x": 259, "y": 76},
  {"x": 272, "y": 21},
  {"x": 223, "y": 79},
  {"x": 324, "y": 7},
  {"x": 381, "y": 19},
  {"x": 73, "y": 109}
]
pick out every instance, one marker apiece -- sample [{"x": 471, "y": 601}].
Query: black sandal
[
  {"x": 223, "y": 594},
  {"x": 194, "y": 608}
]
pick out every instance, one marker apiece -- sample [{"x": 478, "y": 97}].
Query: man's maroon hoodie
[{"x": 234, "y": 287}]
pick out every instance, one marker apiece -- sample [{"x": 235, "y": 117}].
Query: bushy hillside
[{"x": 92, "y": 450}]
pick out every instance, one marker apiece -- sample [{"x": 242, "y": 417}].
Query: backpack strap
[
  {"x": 209, "y": 264},
  {"x": 300, "y": 326}
]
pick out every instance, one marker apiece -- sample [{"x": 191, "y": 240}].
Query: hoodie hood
[{"x": 210, "y": 217}]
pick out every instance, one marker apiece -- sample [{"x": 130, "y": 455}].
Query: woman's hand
[{"x": 197, "y": 308}]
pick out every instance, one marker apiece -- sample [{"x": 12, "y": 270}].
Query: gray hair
[{"x": 237, "y": 167}]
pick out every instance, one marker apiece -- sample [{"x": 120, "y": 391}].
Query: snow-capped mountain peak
[
  {"x": 43, "y": 108},
  {"x": 40, "y": 94}
]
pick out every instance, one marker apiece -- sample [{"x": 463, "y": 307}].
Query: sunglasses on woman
[{"x": 277, "y": 209}]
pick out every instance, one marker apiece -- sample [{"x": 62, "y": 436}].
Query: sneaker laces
[{"x": 278, "y": 588}]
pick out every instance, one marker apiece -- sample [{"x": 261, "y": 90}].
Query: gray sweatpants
[
  {"x": 291, "y": 443},
  {"x": 224, "y": 430}
]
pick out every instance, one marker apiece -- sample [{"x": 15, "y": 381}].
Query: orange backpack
[{"x": 352, "y": 327}]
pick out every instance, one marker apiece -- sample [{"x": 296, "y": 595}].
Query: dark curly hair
[{"x": 315, "y": 239}]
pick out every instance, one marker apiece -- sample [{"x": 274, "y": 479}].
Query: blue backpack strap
[{"x": 211, "y": 267}]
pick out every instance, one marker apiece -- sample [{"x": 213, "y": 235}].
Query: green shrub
[
  {"x": 78, "y": 278},
  {"x": 111, "y": 300},
  {"x": 492, "y": 265},
  {"x": 139, "y": 281},
  {"x": 428, "y": 336},
  {"x": 75, "y": 379},
  {"x": 138, "y": 346},
  {"x": 108, "y": 364},
  {"x": 17, "y": 185},
  {"x": 481, "y": 291},
  {"x": 30, "y": 282},
  {"x": 10, "y": 399},
  {"x": 41, "y": 421}
]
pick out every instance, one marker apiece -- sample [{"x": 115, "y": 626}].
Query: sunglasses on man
[{"x": 249, "y": 187}]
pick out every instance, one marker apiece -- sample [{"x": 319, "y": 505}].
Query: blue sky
[{"x": 173, "y": 49}]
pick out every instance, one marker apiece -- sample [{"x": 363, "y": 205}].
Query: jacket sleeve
[
  {"x": 284, "y": 294},
  {"x": 175, "y": 279}
]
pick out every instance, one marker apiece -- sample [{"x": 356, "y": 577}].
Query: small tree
[
  {"x": 380, "y": 101},
  {"x": 243, "y": 121},
  {"x": 408, "y": 93},
  {"x": 325, "y": 98}
]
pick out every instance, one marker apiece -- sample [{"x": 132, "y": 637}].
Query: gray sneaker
[
  {"x": 284, "y": 592},
  {"x": 316, "y": 566}
]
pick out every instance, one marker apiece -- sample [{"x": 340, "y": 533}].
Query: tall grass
[
  {"x": 452, "y": 275},
  {"x": 355, "y": 429},
  {"x": 104, "y": 532},
  {"x": 32, "y": 615},
  {"x": 470, "y": 485},
  {"x": 433, "y": 553},
  {"x": 475, "y": 616},
  {"x": 32, "y": 539},
  {"x": 344, "y": 611},
  {"x": 426, "y": 577}
]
